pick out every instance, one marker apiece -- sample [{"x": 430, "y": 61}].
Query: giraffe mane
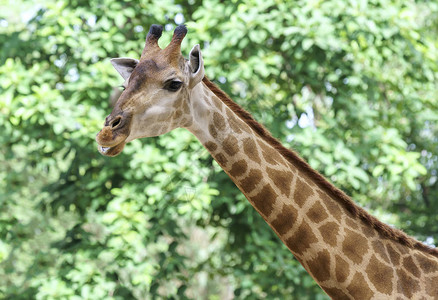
[{"x": 338, "y": 195}]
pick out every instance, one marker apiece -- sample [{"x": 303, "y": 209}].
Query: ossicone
[
  {"x": 180, "y": 32},
  {"x": 178, "y": 36},
  {"x": 152, "y": 38},
  {"x": 155, "y": 32}
]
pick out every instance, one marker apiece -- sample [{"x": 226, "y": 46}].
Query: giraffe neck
[{"x": 346, "y": 256}]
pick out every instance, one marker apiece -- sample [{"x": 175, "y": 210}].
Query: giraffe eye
[
  {"x": 122, "y": 87},
  {"x": 173, "y": 85}
]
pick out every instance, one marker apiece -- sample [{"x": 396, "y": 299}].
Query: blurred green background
[{"x": 351, "y": 85}]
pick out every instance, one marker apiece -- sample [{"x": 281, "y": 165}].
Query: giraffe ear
[
  {"x": 196, "y": 66},
  {"x": 124, "y": 66}
]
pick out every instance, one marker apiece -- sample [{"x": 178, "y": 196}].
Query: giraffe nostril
[{"x": 116, "y": 122}]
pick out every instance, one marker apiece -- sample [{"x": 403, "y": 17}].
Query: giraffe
[{"x": 348, "y": 252}]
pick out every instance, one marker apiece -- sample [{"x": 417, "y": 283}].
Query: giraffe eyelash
[{"x": 122, "y": 87}]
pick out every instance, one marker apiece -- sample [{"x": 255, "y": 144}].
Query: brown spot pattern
[
  {"x": 217, "y": 102},
  {"x": 319, "y": 267},
  {"x": 407, "y": 285},
  {"x": 352, "y": 223},
  {"x": 212, "y": 130},
  {"x": 233, "y": 123},
  {"x": 317, "y": 213},
  {"x": 301, "y": 239},
  {"x": 333, "y": 208},
  {"x": 336, "y": 293},
  {"x": 250, "y": 149},
  {"x": 355, "y": 246},
  {"x": 302, "y": 192},
  {"x": 221, "y": 159},
  {"x": 218, "y": 121},
  {"x": 285, "y": 220},
  {"x": 379, "y": 248},
  {"x": 250, "y": 182},
  {"x": 238, "y": 168},
  {"x": 426, "y": 264},
  {"x": 211, "y": 146},
  {"x": 342, "y": 269},
  {"x": 401, "y": 249},
  {"x": 380, "y": 275},
  {"x": 432, "y": 286},
  {"x": 393, "y": 255},
  {"x": 231, "y": 145},
  {"x": 264, "y": 200},
  {"x": 329, "y": 233},
  {"x": 368, "y": 231},
  {"x": 270, "y": 155},
  {"x": 359, "y": 289},
  {"x": 249, "y": 123},
  {"x": 411, "y": 267},
  {"x": 281, "y": 179}
]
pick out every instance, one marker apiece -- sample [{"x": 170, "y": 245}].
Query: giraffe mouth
[
  {"x": 110, "y": 142},
  {"x": 111, "y": 151},
  {"x": 113, "y": 137}
]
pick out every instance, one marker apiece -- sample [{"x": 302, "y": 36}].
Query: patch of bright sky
[
  {"x": 168, "y": 27},
  {"x": 179, "y": 18},
  {"x": 138, "y": 28},
  {"x": 18, "y": 15},
  {"x": 91, "y": 21},
  {"x": 28, "y": 14},
  {"x": 430, "y": 241},
  {"x": 307, "y": 119}
]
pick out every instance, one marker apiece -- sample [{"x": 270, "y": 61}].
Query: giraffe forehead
[
  {"x": 152, "y": 70},
  {"x": 145, "y": 70}
]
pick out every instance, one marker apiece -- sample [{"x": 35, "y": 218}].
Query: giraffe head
[{"x": 156, "y": 95}]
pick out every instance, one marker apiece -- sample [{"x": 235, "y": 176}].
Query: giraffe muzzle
[
  {"x": 110, "y": 143},
  {"x": 112, "y": 138},
  {"x": 111, "y": 151}
]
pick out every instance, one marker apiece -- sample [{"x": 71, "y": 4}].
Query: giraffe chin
[{"x": 111, "y": 151}]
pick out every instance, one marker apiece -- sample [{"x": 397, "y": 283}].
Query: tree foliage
[{"x": 351, "y": 85}]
